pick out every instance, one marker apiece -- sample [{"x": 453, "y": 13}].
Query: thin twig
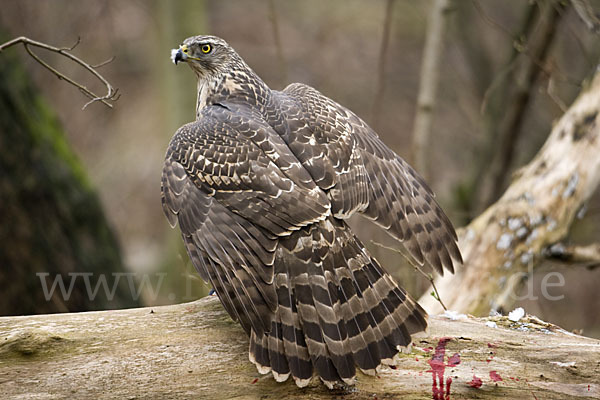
[
  {"x": 521, "y": 47},
  {"x": 435, "y": 293},
  {"x": 60, "y": 76},
  {"x": 585, "y": 11},
  {"x": 111, "y": 93},
  {"x": 499, "y": 79},
  {"x": 581, "y": 47},
  {"x": 587, "y": 255},
  {"x": 551, "y": 90},
  {"x": 103, "y": 63},
  {"x": 489, "y": 20},
  {"x": 74, "y": 45}
]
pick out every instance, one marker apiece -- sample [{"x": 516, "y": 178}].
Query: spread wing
[
  {"x": 362, "y": 174},
  {"x": 234, "y": 187}
]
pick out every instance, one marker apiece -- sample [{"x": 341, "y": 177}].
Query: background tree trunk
[
  {"x": 535, "y": 212},
  {"x": 506, "y": 92},
  {"x": 433, "y": 53},
  {"x": 51, "y": 220},
  {"x": 195, "y": 350}
]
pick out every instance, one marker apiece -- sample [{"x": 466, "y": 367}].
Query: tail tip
[
  {"x": 262, "y": 369},
  {"x": 301, "y": 383},
  {"x": 280, "y": 377}
]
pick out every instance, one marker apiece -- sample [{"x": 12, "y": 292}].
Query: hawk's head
[{"x": 206, "y": 55}]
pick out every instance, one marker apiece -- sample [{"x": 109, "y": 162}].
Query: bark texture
[
  {"x": 535, "y": 212},
  {"x": 195, "y": 350}
]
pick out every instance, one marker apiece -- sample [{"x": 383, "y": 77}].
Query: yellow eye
[{"x": 206, "y": 48}]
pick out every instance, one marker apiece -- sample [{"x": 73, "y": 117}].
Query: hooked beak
[{"x": 178, "y": 55}]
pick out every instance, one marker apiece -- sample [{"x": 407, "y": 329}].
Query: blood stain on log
[
  {"x": 454, "y": 360},
  {"x": 440, "y": 388},
  {"x": 495, "y": 377},
  {"x": 476, "y": 382}
]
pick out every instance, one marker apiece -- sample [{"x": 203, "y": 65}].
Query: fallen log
[{"x": 194, "y": 350}]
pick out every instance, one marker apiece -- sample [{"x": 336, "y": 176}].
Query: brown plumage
[{"x": 261, "y": 184}]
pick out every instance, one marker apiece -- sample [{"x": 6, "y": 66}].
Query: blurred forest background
[{"x": 507, "y": 71}]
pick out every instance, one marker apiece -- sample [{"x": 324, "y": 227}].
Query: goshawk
[{"x": 261, "y": 184}]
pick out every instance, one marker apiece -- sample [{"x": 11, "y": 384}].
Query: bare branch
[
  {"x": 519, "y": 41},
  {"x": 435, "y": 294},
  {"x": 586, "y": 13},
  {"x": 552, "y": 93},
  {"x": 588, "y": 255},
  {"x": 499, "y": 79},
  {"x": 74, "y": 45},
  {"x": 103, "y": 63},
  {"x": 111, "y": 93},
  {"x": 489, "y": 20},
  {"x": 519, "y": 44}
]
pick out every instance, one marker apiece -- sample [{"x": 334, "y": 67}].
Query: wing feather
[
  {"x": 232, "y": 186},
  {"x": 369, "y": 177}
]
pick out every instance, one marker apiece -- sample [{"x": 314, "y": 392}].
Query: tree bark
[
  {"x": 428, "y": 85},
  {"x": 535, "y": 212},
  {"x": 195, "y": 350}
]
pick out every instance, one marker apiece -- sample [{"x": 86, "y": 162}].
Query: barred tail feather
[
  {"x": 337, "y": 310},
  {"x": 279, "y": 363},
  {"x": 294, "y": 344},
  {"x": 259, "y": 352},
  {"x": 314, "y": 332},
  {"x": 361, "y": 335}
]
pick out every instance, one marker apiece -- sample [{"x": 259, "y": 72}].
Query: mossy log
[{"x": 195, "y": 350}]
